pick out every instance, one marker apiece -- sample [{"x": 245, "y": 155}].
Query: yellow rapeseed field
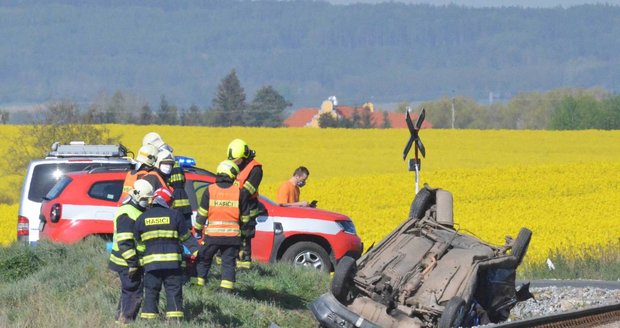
[{"x": 563, "y": 185}]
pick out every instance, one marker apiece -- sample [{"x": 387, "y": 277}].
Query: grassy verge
[
  {"x": 70, "y": 286},
  {"x": 595, "y": 262}
]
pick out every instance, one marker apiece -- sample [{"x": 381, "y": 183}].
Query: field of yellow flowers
[{"x": 563, "y": 185}]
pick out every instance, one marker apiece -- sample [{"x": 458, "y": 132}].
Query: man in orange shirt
[{"x": 288, "y": 193}]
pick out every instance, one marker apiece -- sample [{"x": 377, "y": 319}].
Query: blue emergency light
[{"x": 185, "y": 161}]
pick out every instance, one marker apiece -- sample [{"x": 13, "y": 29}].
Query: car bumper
[{"x": 332, "y": 314}]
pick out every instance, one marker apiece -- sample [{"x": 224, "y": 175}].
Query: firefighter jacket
[
  {"x": 177, "y": 182},
  {"x": 130, "y": 178},
  {"x": 250, "y": 177},
  {"x": 163, "y": 232},
  {"x": 155, "y": 179},
  {"x": 124, "y": 248},
  {"x": 225, "y": 211},
  {"x": 249, "y": 180}
]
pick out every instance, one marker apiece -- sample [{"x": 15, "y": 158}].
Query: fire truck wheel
[{"x": 308, "y": 254}]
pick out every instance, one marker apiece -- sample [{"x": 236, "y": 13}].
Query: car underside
[{"x": 426, "y": 274}]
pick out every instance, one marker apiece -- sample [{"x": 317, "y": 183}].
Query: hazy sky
[{"x": 491, "y": 3}]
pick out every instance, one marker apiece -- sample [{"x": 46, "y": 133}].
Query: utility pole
[{"x": 452, "y": 112}]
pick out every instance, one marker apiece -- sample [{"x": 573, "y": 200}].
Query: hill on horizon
[{"x": 308, "y": 51}]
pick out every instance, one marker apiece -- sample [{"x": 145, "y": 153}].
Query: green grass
[
  {"x": 595, "y": 262},
  {"x": 53, "y": 285},
  {"x": 70, "y": 286}
]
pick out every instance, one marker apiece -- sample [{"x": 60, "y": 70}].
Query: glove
[
  {"x": 133, "y": 273},
  {"x": 198, "y": 234}
]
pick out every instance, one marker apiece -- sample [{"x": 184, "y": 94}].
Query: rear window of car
[
  {"x": 46, "y": 175},
  {"x": 58, "y": 188},
  {"x": 106, "y": 190}
]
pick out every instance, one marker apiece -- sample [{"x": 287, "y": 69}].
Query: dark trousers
[
  {"x": 245, "y": 250},
  {"x": 131, "y": 296},
  {"x": 172, "y": 280},
  {"x": 229, "y": 260}
]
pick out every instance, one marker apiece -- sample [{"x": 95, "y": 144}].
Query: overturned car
[{"x": 426, "y": 274}]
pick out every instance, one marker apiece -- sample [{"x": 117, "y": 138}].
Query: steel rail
[{"x": 588, "y": 317}]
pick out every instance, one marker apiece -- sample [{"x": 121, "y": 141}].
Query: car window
[
  {"x": 58, "y": 187},
  {"x": 46, "y": 175},
  {"x": 106, "y": 190}
]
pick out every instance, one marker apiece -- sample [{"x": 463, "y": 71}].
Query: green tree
[
  {"x": 61, "y": 112},
  {"x": 386, "y": 120},
  {"x": 229, "y": 103},
  {"x": 356, "y": 119},
  {"x": 266, "y": 108},
  {"x": 146, "y": 116},
  {"x": 4, "y": 116},
  {"x": 192, "y": 116},
  {"x": 116, "y": 111},
  {"x": 168, "y": 114},
  {"x": 402, "y": 107},
  {"x": 326, "y": 120}
]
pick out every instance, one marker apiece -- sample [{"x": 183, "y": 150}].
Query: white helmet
[
  {"x": 142, "y": 190},
  {"x": 152, "y": 138},
  {"x": 147, "y": 155},
  {"x": 164, "y": 156}
]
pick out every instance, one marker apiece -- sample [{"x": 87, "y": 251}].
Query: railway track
[{"x": 599, "y": 316}]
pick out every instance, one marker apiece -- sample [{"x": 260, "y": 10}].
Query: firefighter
[
  {"x": 145, "y": 161},
  {"x": 248, "y": 179},
  {"x": 176, "y": 179},
  {"x": 163, "y": 231},
  {"x": 159, "y": 176},
  {"x": 225, "y": 211},
  {"x": 124, "y": 257}
]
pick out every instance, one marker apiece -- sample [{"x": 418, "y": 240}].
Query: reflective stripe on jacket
[
  {"x": 223, "y": 216},
  {"x": 124, "y": 247},
  {"x": 242, "y": 178}
]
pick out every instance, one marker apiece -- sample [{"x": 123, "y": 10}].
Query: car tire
[
  {"x": 308, "y": 254},
  {"x": 421, "y": 203},
  {"x": 342, "y": 281},
  {"x": 453, "y": 314},
  {"x": 520, "y": 245}
]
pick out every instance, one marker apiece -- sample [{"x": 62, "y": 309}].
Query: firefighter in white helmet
[
  {"x": 124, "y": 258},
  {"x": 145, "y": 162},
  {"x": 176, "y": 177}
]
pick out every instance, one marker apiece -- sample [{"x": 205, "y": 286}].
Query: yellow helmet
[
  {"x": 228, "y": 168},
  {"x": 238, "y": 149}
]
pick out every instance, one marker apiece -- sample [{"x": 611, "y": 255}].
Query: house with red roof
[{"x": 309, "y": 117}]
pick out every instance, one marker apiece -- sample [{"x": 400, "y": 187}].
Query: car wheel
[
  {"x": 421, "y": 203},
  {"x": 519, "y": 248},
  {"x": 343, "y": 278},
  {"x": 308, "y": 254},
  {"x": 453, "y": 314}
]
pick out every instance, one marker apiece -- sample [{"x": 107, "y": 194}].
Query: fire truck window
[{"x": 106, "y": 190}]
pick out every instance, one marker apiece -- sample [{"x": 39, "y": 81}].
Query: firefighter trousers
[
  {"x": 229, "y": 262},
  {"x": 131, "y": 296},
  {"x": 172, "y": 280}
]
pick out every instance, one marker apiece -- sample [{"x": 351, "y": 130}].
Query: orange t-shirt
[{"x": 287, "y": 193}]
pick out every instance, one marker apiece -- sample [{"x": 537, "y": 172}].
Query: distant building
[{"x": 309, "y": 117}]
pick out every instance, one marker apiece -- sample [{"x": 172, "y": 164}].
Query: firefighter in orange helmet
[{"x": 225, "y": 212}]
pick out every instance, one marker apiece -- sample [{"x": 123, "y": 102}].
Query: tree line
[
  {"x": 559, "y": 109},
  {"x": 229, "y": 108}
]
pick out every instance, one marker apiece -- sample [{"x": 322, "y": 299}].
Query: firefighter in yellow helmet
[
  {"x": 248, "y": 180},
  {"x": 225, "y": 212},
  {"x": 124, "y": 257}
]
